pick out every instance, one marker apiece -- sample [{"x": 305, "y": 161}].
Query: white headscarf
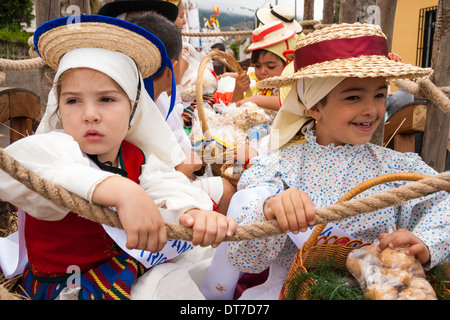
[
  {"x": 148, "y": 130},
  {"x": 293, "y": 114}
]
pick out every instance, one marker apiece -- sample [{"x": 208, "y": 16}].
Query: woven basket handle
[
  {"x": 406, "y": 176},
  {"x": 217, "y": 55}
]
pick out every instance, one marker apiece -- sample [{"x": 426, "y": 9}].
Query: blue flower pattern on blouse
[{"x": 326, "y": 173}]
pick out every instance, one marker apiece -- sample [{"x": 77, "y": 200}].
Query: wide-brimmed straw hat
[
  {"x": 118, "y": 7},
  {"x": 269, "y": 35},
  {"x": 279, "y": 13},
  {"x": 345, "y": 50},
  {"x": 56, "y": 37}
]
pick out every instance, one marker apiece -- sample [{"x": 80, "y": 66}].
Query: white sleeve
[
  {"x": 56, "y": 157},
  {"x": 170, "y": 188},
  {"x": 174, "y": 121}
]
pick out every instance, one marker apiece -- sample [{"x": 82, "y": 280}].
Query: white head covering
[
  {"x": 148, "y": 130},
  {"x": 293, "y": 114}
]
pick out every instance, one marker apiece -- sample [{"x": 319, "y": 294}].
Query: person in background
[
  {"x": 286, "y": 17},
  {"x": 181, "y": 18},
  {"x": 219, "y": 68},
  {"x": 103, "y": 139},
  {"x": 219, "y": 189},
  {"x": 269, "y": 43},
  {"x": 218, "y": 46}
]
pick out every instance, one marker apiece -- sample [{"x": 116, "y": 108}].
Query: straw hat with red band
[
  {"x": 345, "y": 50},
  {"x": 268, "y": 35},
  {"x": 279, "y": 13}
]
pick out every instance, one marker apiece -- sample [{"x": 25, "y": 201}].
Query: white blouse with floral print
[{"x": 326, "y": 173}]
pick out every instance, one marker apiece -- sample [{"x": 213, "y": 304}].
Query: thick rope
[
  {"x": 306, "y": 23},
  {"x": 217, "y": 34},
  {"x": 426, "y": 89},
  {"x": 21, "y": 65},
  {"x": 106, "y": 216}
]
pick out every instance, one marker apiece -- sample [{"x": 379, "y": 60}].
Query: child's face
[
  {"x": 95, "y": 111},
  {"x": 352, "y": 112},
  {"x": 181, "y": 19},
  {"x": 268, "y": 65}
]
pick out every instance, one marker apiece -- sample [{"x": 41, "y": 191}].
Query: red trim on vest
[
  {"x": 329, "y": 50},
  {"x": 53, "y": 246},
  {"x": 132, "y": 156}
]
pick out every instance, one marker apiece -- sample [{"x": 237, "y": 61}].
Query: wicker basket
[
  {"x": 233, "y": 180},
  {"x": 317, "y": 247},
  {"x": 217, "y": 154}
]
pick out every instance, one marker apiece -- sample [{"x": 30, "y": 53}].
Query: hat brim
[
  {"x": 275, "y": 38},
  {"x": 359, "y": 67},
  {"x": 164, "y": 8},
  {"x": 56, "y": 37},
  {"x": 266, "y": 17}
]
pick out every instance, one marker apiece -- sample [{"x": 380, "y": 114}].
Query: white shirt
[
  {"x": 56, "y": 157},
  {"x": 174, "y": 121}
]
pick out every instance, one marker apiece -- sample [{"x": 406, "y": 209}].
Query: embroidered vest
[{"x": 53, "y": 246}]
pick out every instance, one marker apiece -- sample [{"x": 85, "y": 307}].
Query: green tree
[
  {"x": 15, "y": 12},
  {"x": 235, "y": 48}
]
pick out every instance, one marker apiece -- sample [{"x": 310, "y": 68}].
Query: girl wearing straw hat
[
  {"x": 219, "y": 189},
  {"x": 269, "y": 42},
  {"x": 336, "y": 102},
  {"x": 286, "y": 16},
  {"x": 103, "y": 138}
]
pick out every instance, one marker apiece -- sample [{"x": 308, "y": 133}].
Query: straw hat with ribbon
[
  {"x": 279, "y": 13},
  {"x": 345, "y": 50},
  {"x": 273, "y": 37},
  {"x": 55, "y": 38},
  {"x": 322, "y": 59},
  {"x": 118, "y": 7},
  {"x": 125, "y": 52}
]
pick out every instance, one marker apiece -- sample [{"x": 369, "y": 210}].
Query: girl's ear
[
  {"x": 314, "y": 113},
  {"x": 167, "y": 73}
]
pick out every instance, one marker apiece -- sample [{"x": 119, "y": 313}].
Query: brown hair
[
  {"x": 58, "y": 84},
  {"x": 257, "y": 53}
]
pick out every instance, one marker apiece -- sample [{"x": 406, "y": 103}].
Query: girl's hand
[
  {"x": 292, "y": 208},
  {"x": 242, "y": 101},
  {"x": 191, "y": 164},
  {"x": 402, "y": 238},
  {"x": 139, "y": 215},
  {"x": 240, "y": 87},
  {"x": 244, "y": 152},
  {"x": 242, "y": 82},
  {"x": 210, "y": 227},
  {"x": 267, "y": 102}
]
